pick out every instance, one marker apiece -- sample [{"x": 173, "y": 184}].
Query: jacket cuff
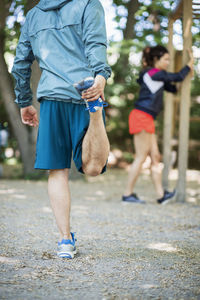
[
  {"x": 23, "y": 104},
  {"x": 187, "y": 67},
  {"x": 105, "y": 74}
]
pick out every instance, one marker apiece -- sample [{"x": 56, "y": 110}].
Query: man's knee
[{"x": 92, "y": 169}]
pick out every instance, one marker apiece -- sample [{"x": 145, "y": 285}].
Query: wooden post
[
  {"x": 184, "y": 105},
  {"x": 177, "y": 68},
  {"x": 168, "y": 113}
]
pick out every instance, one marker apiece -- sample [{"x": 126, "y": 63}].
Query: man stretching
[{"x": 68, "y": 39}]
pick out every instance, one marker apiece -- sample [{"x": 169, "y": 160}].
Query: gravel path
[{"x": 126, "y": 251}]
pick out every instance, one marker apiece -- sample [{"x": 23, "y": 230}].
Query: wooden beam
[
  {"x": 184, "y": 105},
  {"x": 168, "y": 113},
  {"x": 177, "y": 12}
]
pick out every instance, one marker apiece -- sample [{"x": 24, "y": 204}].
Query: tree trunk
[
  {"x": 128, "y": 34},
  {"x": 184, "y": 105},
  {"x": 35, "y": 77},
  {"x": 132, "y": 7},
  {"x": 168, "y": 114},
  {"x": 20, "y": 131},
  {"x": 30, "y": 4},
  {"x": 25, "y": 136}
]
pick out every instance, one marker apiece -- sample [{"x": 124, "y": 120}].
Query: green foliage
[
  {"x": 125, "y": 59},
  {"x": 196, "y": 85},
  {"x": 122, "y": 89}
]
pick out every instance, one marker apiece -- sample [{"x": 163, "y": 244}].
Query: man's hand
[
  {"x": 97, "y": 90},
  {"x": 29, "y": 116}
]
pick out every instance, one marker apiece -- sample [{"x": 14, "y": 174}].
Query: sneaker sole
[
  {"x": 69, "y": 255},
  {"x": 126, "y": 201}
]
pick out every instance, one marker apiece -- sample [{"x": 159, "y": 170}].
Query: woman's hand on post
[
  {"x": 97, "y": 90},
  {"x": 29, "y": 116}
]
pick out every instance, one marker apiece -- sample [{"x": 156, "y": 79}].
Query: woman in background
[{"x": 153, "y": 80}]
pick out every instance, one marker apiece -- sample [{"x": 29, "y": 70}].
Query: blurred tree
[
  {"x": 26, "y": 137},
  {"x": 141, "y": 23},
  {"x": 125, "y": 10}
]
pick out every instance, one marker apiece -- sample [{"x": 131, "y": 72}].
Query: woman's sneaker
[
  {"x": 168, "y": 196},
  {"x": 133, "y": 198},
  {"x": 67, "y": 248},
  {"x": 85, "y": 84}
]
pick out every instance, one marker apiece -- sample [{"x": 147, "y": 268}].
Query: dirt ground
[{"x": 126, "y": 251}]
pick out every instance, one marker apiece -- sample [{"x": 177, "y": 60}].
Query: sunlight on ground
[
  {"x": 18, "y": 196},
  {"x": 191, "y": 200},
  {"x": 7, "y": 191},
  {"x": 46, "y": 209},
  {"x": 193, "y": 195},
  {"x": 100, "y": 193},
  {"x": 80, "y": 209},
  {"x": 13, "y": 192},
  {"x": 7, "y": 260},
  {"x": 149, "y": 286},
  {"x": 162, "y": 247},
  {"x": 90, "y": 198},
  {"x": 192, "y": 175}
]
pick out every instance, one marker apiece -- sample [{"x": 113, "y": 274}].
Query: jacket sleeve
[
  {"x": 94, "y": 38},
  {"x": 171, "y": 77},
  {"x": 22, "y": 69},
  {"x": 170, "y": 87}
]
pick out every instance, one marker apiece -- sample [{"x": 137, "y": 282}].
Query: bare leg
[
  {"x": 95, "y": 148},
  {"x": 156, "y": 169},
  {"x": 142, "y": 142},
  {"x": 59, "y": 194}
]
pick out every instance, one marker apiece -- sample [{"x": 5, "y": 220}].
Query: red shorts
[{"x": 140, "y": 120}]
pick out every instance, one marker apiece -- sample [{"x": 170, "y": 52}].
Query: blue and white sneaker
[
  {"x": 67, "y": 248},
  {"x": 85, "y": 84}
]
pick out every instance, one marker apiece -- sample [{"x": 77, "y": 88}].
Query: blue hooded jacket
[{"x": 68, "y": 40}]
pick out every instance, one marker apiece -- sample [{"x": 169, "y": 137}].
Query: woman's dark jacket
[{"x": 153, "y": 82}]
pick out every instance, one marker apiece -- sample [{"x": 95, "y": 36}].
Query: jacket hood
[
  {"x": 141, "y": 75},
  {"x": 51, "y": 4},
  {"x": 140, "y": 79}
]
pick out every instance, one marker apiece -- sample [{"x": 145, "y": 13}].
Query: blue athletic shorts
[{"x": 62, "y": 128}]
